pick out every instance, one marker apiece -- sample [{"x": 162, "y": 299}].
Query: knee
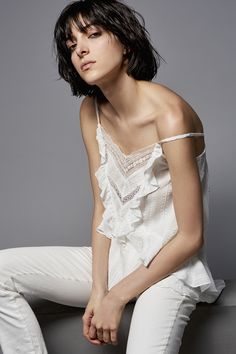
[{"x": 7, "y": 266}]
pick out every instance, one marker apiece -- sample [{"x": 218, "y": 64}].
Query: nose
[{"x": 82, "y": 50}]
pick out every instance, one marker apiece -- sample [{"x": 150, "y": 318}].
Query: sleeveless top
[{"x": 136, "y": 191}]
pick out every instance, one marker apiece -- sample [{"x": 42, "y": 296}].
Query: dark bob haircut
[{"x": 115, "y": 17}]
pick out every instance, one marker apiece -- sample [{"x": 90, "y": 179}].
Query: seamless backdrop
[{"x": 46, "y": 197}]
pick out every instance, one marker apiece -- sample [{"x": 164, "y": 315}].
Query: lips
[{"x": 86, "y": 65}]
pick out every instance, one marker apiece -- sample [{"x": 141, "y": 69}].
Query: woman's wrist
[
  {"x": 99, "y": 290},
  {"x": 117, "y": 297}
]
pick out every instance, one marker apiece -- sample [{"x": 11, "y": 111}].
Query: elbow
[
  {"x": 198, "y": 242},
  {"x": 194, "y": 241}
]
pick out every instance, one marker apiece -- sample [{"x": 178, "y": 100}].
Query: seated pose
[{"x": 149, "y": 176}]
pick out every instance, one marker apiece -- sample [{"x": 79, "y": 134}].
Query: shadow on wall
[{"x": 221, "y": 242}]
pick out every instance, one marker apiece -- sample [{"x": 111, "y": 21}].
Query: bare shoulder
[{"x": 175, "y": 114}]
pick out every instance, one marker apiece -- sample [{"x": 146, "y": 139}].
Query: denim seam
[
  {"x": 44, "y": 274},
  {"x": 168, "y": 340},
  {"x": 26, "y": 328},
  {"x": 6, "y": 287}
]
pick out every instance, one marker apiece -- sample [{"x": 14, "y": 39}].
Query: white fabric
[
  {"x": 180, "y": 136},
  {"x": 64, "y": 275},
  {"x": 136, "y": 192}
]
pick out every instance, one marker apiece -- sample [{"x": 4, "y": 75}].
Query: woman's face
[{"x": 99, "y": 47}]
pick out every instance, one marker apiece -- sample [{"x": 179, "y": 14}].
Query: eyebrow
[{"x": 86, "y": 27}]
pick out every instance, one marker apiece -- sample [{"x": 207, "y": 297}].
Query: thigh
[
  {"x": 57, "y": 273},
  {"x": 159, "y": 319}
]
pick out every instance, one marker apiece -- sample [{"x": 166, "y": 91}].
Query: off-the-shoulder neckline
[
  {"x": 135, "y": 152},
  {"x": 147, "y": 147}
]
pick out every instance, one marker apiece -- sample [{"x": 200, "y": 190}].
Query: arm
[
  {"x": 100, "y": 253},
  {"x": 188, "y": 205},
  {"x": 100, "y": 243}
]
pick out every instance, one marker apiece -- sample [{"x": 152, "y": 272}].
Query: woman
[{"x": 149, "y": 176}]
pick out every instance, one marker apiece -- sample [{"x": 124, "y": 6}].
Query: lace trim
[
  {"x": 126, "y": 156},
  {"x": 127, "y": 197},
  {"x": 128, "y": 165}
]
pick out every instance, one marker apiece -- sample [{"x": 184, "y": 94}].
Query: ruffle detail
[
  {"x": 150, "y": 185},
  {"x": 101, "y": 144},
  {"x": 123, "y": 225},
  {"x": 105, "y": 226},
  {"x": 209, "y": 289}
]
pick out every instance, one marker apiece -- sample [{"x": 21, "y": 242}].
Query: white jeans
[{"x": 64, "y": 275}]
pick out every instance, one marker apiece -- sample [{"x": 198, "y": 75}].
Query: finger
[
  {"x": 92, "y": 332},
  {"x": 106, "y": 336},
  {"x": 86, "y": 326},
  {"x": 87, "y": 317},
  {"x": 86, "y": 329},
  {"x": 100, "y": 334},
  {"x": 113, "y": 336},
  {"x": 93, "y": 341}
]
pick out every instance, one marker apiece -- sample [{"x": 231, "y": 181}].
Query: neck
[{"x": 122, "y": 92}]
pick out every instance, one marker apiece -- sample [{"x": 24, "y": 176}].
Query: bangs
[
  {"x": 73, "y": 16},
  {"x": 76, "y": 22}
]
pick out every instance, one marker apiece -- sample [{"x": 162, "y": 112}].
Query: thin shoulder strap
[
  {"x": 96, "y": 109},
  {"x": 180, "y": 136}
]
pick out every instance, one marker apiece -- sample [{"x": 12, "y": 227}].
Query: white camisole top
[{"x": 136, "y": 191}]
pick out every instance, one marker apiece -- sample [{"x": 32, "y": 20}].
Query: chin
[
  {"x": 91, "y": 79},
  {"x": 95, "y": 81}
]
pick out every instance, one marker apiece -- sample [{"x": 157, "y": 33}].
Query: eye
[
  {"x": 72, "y": 47},
  {"x": 96, "y": 34}
]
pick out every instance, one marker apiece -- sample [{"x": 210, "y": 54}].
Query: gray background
[{"x": 46, "y": 197}]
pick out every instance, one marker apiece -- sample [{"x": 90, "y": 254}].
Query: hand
[
  {"x": 106, "y": 319},
  {"x": 93, "y": 304}
]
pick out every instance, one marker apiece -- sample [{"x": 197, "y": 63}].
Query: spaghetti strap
[
  {"x": 97, "y": 110},
  {"x": 180, "y": 136}
]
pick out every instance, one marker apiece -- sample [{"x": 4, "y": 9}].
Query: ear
[{"x": 126, "y": 51}]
